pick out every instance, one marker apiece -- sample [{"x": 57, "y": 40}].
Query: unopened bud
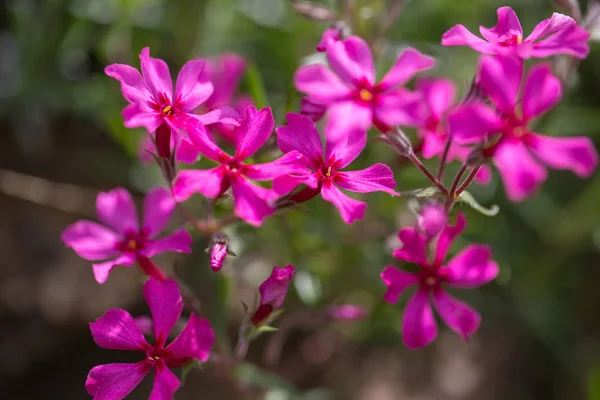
[
  {"x": 314, "y": 11},
  {"x": 432, "y": 219},
  {"x": 330, "y": 35},
  {"x": 398, "y": 140},
  {"x": 218, "y": 251},
  {"x": 476, "y": 157},
  {"x": 272, "y": 293}
]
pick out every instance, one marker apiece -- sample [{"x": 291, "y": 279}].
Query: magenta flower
[
  {"x": 151, "y": 97},
  {"x": 557, "y": 35},
  {"x": 515, "y": 149},
  {"x": 347, "y": 312},
  {"x": 352, "y": 97},
  {"x": 116, "y": 330},
  {"x": 272, "y": 292},
  {"x": 432, "y": 219},
  {"x": 470, "y": 268},
  {"x": 325, "y": 173},
  {"x": 121, "y": 239},
  {"x": 252, "y": 203}
]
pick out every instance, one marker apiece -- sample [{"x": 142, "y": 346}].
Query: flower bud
[
  {"x": 329, "y": 36},
  {"x": 347, "y": 312},
  {"x": 272, "y": 293},
  {"x": 218, "y": 251},
  {"x": 432, "y": 219}
]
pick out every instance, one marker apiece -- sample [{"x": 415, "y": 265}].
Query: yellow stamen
[
  {"x": 167, "y": 110},
  {"x": 430, "y": 281},
  {"x": 365, "y": 95},
  {"x": 328, "y": 174},
  {"x": 154, "y": 358},
  {"x": 519, "y": 39},
  {"x": 132, "y": 244}
]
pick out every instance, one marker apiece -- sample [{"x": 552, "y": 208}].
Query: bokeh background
[{"x": 62, "y": 141}]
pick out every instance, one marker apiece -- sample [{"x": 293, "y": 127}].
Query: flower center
[
  {"x": 365, "y": 95},
  {"x": 511, "y": 39},
  {"x": 167, "y": 110},
  {"x": 154, "y": 358},
  {"x": 328, "y": 173},
  {"x": 133, "y": 242},
  {"x": 132, "y": 245}
]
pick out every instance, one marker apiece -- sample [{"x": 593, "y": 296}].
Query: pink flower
[
  {"x": 515, "y": 149},
  {"x": 116, "y": 330},
  {"x": 557, "y": 35},
  {"x": 470, "y": 268},
  {"x": 151, "y": 97},
  {"x": 351, "y": 95},
  {"x": 252, "y": 203},
  {"x": 347, "y": 312},
  {"x": 329, "y": 36},
  {"x": 432, "y": 219},
  {"x": 272, "y": 292},
  {"x": 121, "y": 239},
  {"x": 325, "y": 173}
]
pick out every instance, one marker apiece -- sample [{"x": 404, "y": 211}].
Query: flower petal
[
  {"x": 165, "y": 303},
  {"x": 201, "y": 140},
  {"x": 320, "y": 84},
  {"x": 102, "y": 270},
  {"x": 223, "y": 115},
  {"x": 300, "y": 134},
  {"x": 274, "y": 289},
  {"x": 376, "y": 178},
  {"x": 225, "y": 73},
  {"x": 542, "y": 91},
  {"x": 458, "y": 35},
  {"x": 347, "y": 118},
  {"x": 158, "y": 208},
  {"x": 349, "y": 209},
  {"x": 396, "y": 281},
  {"x": 179, "y": 242},
  {"x": 254, "y": 132},
  {"x": 438, "y": 95},
  {"x": 461, "y": 318},
  {"x": 136, "y": 116},
  {"x": 472, "y": 267},
  {"x": 252, "y": 202},
  {"x": 290, "y": 163},
  {"x": 448, "y": 234},
  {"x": 500, "y": 78},
  {"x": 418, "y": 324},
  {"x": 473, "y": 122},
  {"x": 508, "y": 24},
  {"x": 116, "y": 209},
  {"x": 351, "y": 59},
  {"x": 117, "y": 330},
  {"x": 166, "y": 383},
  {"x": 187, "y": 152},
  {"x": 90, "y": 240},
  {"x": 521, "y": 173},
  {"x": 343, "y": 149},
  {"x": 115, "y": 381},
  {"x": 156, "y": 74},
  {"x": 195, "y": 342},
  {"x": 413, "y": 247},
  {"x": 409, "y": 63},
  {"x": 192, "y": 87},
  {"x": 559, "y": 35},
  {"x": 400, "y": 107},
  {"x": 575, "y": 153},
  {"x": 132, "y": 85},
  {"x": 432, "y": 219},
  {"x": 207, "y": 182}
]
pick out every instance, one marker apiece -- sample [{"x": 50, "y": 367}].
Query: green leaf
[
  {"x": 256, "y": 86},
  {"x": 468, "y": 198},
  {"x": 422, "y": 192}
]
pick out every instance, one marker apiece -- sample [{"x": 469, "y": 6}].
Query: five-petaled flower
[
  {"x": 122, "y": 239},
  {"x": 117, "y": 330},
  {"x": 352, "y": 97},
  {"x": 325, "y": 173},
  {"x": 252, "y": 202},
  {"x": 272, "y": 293},
  {"x": 509, "y": 142},
  {"x": 558, "y": 35},
  {"x": 470, "y": 268}
]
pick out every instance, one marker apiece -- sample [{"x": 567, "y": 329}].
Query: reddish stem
[
  {"x": 163, "y": 140},
  {"x": 468, "y": 181},
  {"x": 415, "y": 160},
  {"x": 442, "y": 164},
  {"x": 151, "y": 269}
]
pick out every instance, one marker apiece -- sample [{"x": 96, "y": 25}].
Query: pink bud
[
  {"x": 218, "y": 252},
  {"x": 272, "y": 292},
  {"x": 329, "y": 36},
  {"x": 432, "y": 219},
  {"x": 347, "y": 312}
]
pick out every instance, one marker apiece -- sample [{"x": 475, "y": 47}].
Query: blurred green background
[{"x": 62, "y": 140}]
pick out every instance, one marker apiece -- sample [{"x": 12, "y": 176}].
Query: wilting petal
[
  {"x": 577, "y": 154},
  {"x": 542, "y": 91},
  {"x": 458, "y": 35},
  {"x": 320, "y": 84},
  {"x": 418, "y": 324},
  {"x": 347, "y": 118},
  {"x": 254, "y": 133},
  {"x": 193, "y": 87},
  {"x": 413, "y": 247},
  {"x": 396, "y": 281},
  {"x": 349, "y": 209},
  {"x": 166, "y": 383},
  {"x": 116, "y": 209},
  {"x": 521, "y": 173},
  {"x": 409, "y": 63},
  {"x": 376, "y": 178},
  {"x": 116, "y": 330},
  {"x": 290, "y": 163},
  {"x": 115, "y": 381},
  {"x": 156, "y": 74},
  {"x": 223, "y": 115},
  {"x": 102, "y": 270},
  {"x": 473, "y": 122},
  {"x": 225, "y": 73},
  {"x": 252, "y": 202},
  {"x": 351, "y": 59},
  {"x": 207, "y": 182},
  {"x": 448, "y": 234},
  {"x": 132, "y": 85},
  {"x": 179, "y": 242},
  {"x": 399, "y": 107},
  {"x": 300, "y": 134},
  {"x": 472, "y": 267},
  {"x": 158, "y": 208},
  {"x": 165, "y": 303},
  {"x": 461, "y": 318},
  {"x": 90, "y": 240},
  {"x": 274, "y": 289},
  {"x": 508, "y": 24},
  {"x": 438, "y": 94},
  {"x": 500, "y": 78}
]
